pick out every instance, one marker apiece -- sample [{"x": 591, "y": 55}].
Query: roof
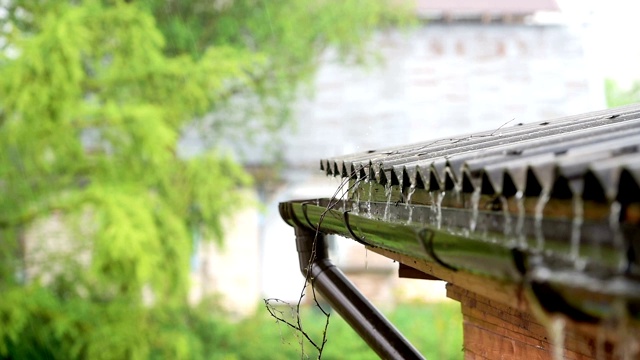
[
  {"x": 553, "y": 205},
  {"x": 495, "y": 7},
  {"x": 593, "y": 155},
  {"x": 552, "y": 222}
]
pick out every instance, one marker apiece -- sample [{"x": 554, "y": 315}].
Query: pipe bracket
[
  {"x": 357, "y": 238},
  {"x": 306, "y": 217},
  {"x": 425, "y": 237}
]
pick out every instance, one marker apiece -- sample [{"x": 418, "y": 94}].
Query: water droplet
[
  {"x": 439, "y": 199},
  {"x": 475, "y": 203},
  {"x": 387, "y": 192},
  {"x": 618, "y": 238},
  {"x": 369, "y": 199},
  {"x": 556, "y": 333},
  {"x": 412, "y": 189},
  {"x": 355, "y": 208},
  {"x": 344, "y": 196},
  {"x": 507, "y": 216},
  {"x": 366, "y": 258},
  {"x": 520, "y": 223},
  {"x": 576, "y": 227},
  {"x": 539, "y": 213}
]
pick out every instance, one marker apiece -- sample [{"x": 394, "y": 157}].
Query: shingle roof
[{"x": 594, "y": 155}]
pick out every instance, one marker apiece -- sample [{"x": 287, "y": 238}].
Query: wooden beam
[
  {"x": 406, "y": 271},
  {"x": 506, "y": 293}
]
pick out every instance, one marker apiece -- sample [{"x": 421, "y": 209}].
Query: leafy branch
[{"x": 297, "y": 324}]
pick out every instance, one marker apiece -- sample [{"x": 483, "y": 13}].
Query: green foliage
[
  {"x": 90, "y": 123},
  {"x": 91, "y": 110},
  {"x": 292, "y": 34},
  {"x": 51, "y": 328},
  {"x": 94, "y": 96},
  {"x": 617, "y": 96},
  {"x": 434, "y": 329}
]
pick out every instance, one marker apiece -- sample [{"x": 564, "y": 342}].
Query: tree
[
  {"x": 294, "y": 36},
  {"x": 93, "y": 101},
  {"x": 617, "y": 96}
]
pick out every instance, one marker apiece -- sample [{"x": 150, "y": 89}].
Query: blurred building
[{"x": 468, "y": 66}]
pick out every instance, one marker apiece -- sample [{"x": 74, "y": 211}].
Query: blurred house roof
[{"x": 465, "y": 8}]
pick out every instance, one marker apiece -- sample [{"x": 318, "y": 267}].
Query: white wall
[
  {"x": 443, "y": 80},
  {"x": 233, "y": 270}
]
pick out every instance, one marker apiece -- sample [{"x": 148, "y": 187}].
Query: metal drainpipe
[{"x": 340, "y": 293}]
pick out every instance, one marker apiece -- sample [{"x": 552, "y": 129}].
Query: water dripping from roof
[
  {"x": 507, "y": 216},
  {"x": 366, "y": 258},
  {"x": 475, "y": 203},
  {"x": 617, "y": 238},
  {"x": 521, "y": 237},
  {"x": 355, "y": 208},
  {"x": 344, "y": 193},
  {"x": 388, "y": 190},
  {"x": 556, "y": 329},
  {"x": 369, "y": 199},
  {"x": 543, "y": 198},
  {"x": 439, "y": 199},
  {"x": 576, "y": 228},
  {"x": 408, "y": 206},
  {"x": 457, "y": 190},
  {"x": 432, "y": 208}
]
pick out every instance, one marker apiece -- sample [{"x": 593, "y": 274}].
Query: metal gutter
[
  {"x": 547, "y": 270},
  {"x": 336, "y": 289}
]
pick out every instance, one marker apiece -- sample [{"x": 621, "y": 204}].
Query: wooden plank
[
  {"x": 506, "y": 293},
  {"x": 490, "y": 322},
  {"x": 498, "y": 343},
  {"x": 406, "y": 271},
  {"x": 522, "y": 339},
  {"x": 494, "y": 346},
  {"x": 470, "y": 355},
  {"x": 458, "y": 293}
]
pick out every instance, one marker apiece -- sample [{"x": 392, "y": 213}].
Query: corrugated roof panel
[
  {"x": 556, "y": 154},
  {"x": 485, "y": 140}
]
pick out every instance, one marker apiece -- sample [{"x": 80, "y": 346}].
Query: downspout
[{"x": 341, "y": 294}]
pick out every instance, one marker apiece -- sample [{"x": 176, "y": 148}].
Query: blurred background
[{"x": 145, "y": 145}]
